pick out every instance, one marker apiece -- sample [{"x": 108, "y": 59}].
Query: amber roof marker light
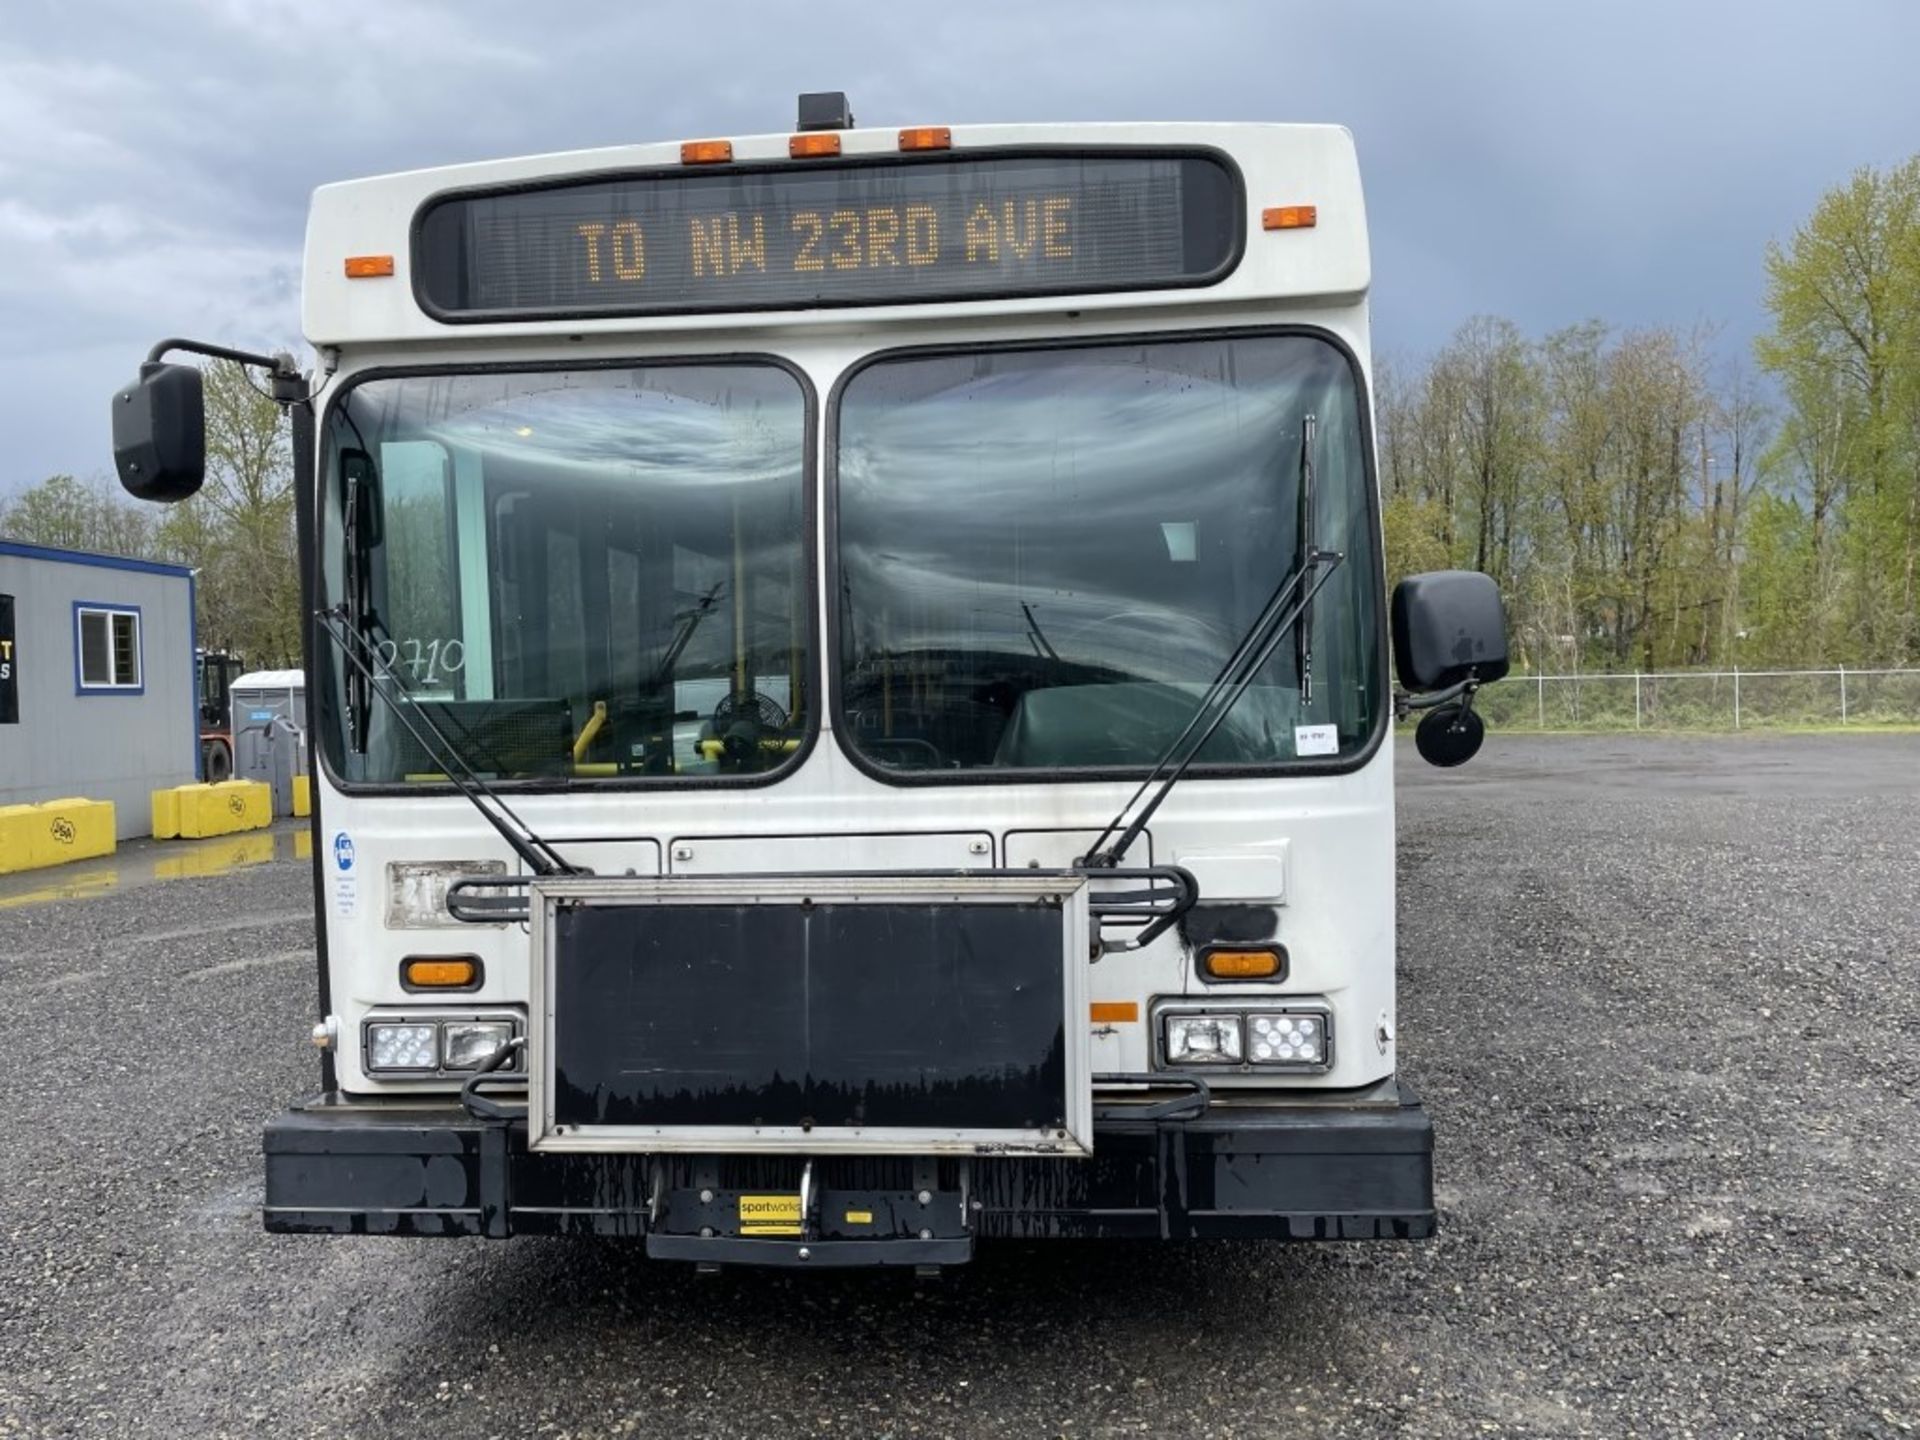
[
  {"x": 369, "y": 267},
  {"x": 1289, "y": 217},
  {"x": 926, "y": 137},
  {"x": 706, "y": 152},
  {"x": 813, "y": 144}
]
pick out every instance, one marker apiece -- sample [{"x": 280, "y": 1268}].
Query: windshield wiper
[
  {"x": 1035, "y": 638},
  {"x": 539, "y": 856},
  {"x": 689, "y": 622},
  {"x": 1303, "y": 637},
  {"x": 1291, "y": 601}
]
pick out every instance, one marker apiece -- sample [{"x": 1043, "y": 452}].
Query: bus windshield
[
  {"x": 1046, "y": 554},
  {"x": 586, "y": 573}
]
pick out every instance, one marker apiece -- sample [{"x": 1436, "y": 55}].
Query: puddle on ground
[{"x": 142, "y": 862}]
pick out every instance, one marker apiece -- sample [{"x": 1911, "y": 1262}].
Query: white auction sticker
[{"x": 1316, "y": 740}]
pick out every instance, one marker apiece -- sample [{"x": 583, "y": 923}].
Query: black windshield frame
[
  {"x": 1366, "y": 552},
  {"x": 325, "y": 659}
]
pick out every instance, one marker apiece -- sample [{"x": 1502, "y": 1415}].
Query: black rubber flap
[{"x": 782, "y": 1013}]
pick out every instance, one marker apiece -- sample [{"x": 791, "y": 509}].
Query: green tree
[
  {"x": 238, "y": 532},
  {"x": 1844, "y": 293},
  {"x": 79, "y": 515}
]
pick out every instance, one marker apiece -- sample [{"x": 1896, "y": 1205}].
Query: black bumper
[{"x": 1351, "y": 1168}]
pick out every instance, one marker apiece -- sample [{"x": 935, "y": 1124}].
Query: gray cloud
[{"x": 1534, "y": 159}]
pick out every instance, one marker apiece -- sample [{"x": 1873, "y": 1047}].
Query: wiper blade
[
  {"x": 539, "y": 856},
  {"x": 1303, "y": 637},
  {"x": 1035, "y": 637}
]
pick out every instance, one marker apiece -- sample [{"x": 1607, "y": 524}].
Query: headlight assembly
[
  {"x": 428, "y": 1044},
  {"x": 1278, "y": 1035}
]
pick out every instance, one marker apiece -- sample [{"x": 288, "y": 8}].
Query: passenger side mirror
[
  {"x": 160, "y": 433},
  {"x": 1449, "y": 638},
  {"x": 1449, "y": 627}
]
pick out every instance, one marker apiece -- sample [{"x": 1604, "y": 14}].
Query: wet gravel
[{"x": 1660, "y": 995}]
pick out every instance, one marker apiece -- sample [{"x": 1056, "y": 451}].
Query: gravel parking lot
[{"x": 1660, "y": 995}]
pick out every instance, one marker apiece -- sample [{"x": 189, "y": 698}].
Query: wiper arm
[
  {"x": 539, "y": 856},
  {"x": 1282, "y": 612},
  {"x": 689, "y": 623}
]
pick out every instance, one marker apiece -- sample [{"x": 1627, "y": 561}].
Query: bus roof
[{"x": 1280, "y": 166}]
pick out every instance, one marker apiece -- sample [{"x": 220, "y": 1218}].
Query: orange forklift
[{"x": 214, "y": 674}]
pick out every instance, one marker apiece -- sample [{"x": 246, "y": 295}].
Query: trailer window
[
  {"x": 578, "y": 575},
  {"x": 107, "y": 641},
  {"x": 1045, "y": 555}
]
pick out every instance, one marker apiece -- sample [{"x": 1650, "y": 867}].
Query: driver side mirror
[
  {"x": 1449, "y": 632},
  {"x": 160, "y": 433}
]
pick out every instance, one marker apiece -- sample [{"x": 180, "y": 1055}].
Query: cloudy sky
[{"x": 1540, "y": 159}]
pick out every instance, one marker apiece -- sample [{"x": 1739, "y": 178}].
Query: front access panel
[{"x": 812, "y": 1015}]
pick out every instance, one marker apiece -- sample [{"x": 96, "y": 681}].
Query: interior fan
[
  {"x": 740, "y": 722},
  {"x": 748, "y": 707}
]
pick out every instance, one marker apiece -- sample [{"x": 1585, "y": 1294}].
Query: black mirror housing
[
  {"x": 160, "y": 433},
  {"x": 1448, "y": 626}
]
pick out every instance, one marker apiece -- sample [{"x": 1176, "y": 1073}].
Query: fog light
[
  {"x": 1203, "y": 1040},
  {"x": 403, "y": 1047},
  {"x": 1287, "y": 1039},
  {"x": 465, "y": 1043}
]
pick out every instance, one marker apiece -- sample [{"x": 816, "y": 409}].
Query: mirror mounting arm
[
  {"x": 288, "y": 384},
  {"x": 1404, "y": 703}
]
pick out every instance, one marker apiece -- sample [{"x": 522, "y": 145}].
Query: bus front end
[{"x": 850, "y": 699}]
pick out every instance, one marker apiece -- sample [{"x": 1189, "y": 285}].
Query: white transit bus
[{"x": 850, "y": 700}]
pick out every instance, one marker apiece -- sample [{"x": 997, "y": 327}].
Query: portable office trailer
[{"x": 96, "y": 679}]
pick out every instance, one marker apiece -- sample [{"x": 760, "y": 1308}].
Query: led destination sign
[{"x": 794, "y": 237}]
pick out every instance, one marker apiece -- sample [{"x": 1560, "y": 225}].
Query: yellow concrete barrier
[
  {"x": 73, "y": 828},
  {"x": 16, "y": 838},
  {"x": 302, "y": 796},
  {"x": 54, "y": 832},
  {"x": 166, "y": 813},
  {"x": 193, "y": 812}
]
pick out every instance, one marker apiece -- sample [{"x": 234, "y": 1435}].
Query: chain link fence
[{"x": 1703, "y": 700}]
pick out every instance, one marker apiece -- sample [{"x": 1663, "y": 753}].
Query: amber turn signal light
[
  {"x": 368, "y": 267},
  {"x": 440, "y": 972},
  {"x": 1266, "y": 962}
]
